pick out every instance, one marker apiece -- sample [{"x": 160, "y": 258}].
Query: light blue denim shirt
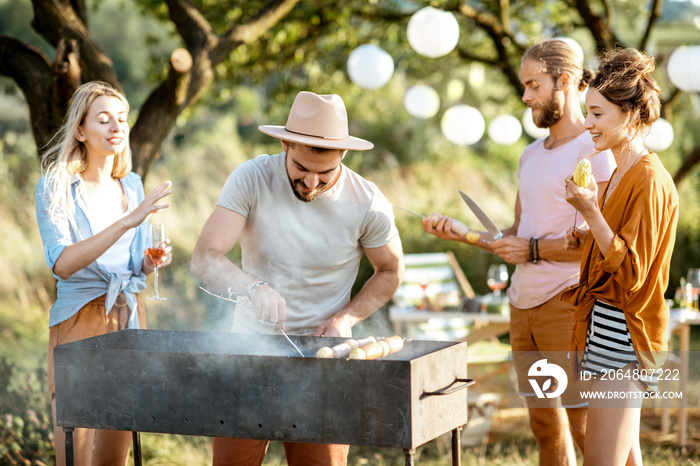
[{"x": 93, "y": 281}]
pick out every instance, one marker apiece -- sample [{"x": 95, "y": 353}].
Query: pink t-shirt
[{"x": 545, "y": 214}]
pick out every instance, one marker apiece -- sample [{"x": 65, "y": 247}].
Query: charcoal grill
[{"x": 259, "y": 387}]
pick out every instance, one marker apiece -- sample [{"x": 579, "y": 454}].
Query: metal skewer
[
  {"x": 241, "y": 301},
  {"x": 292, "y": 343},
  {"x": 410, "y": 212},
  {"x": 246, "y": 302}
]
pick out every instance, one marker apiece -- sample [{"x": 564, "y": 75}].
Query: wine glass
[
  {"x": 156, "y": 252},
  {"x": 497, "y": 278},
  {"x": 693, "y": 279}
]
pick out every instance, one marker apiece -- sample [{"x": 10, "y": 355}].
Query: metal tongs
[{"x": 247, "y": 302}]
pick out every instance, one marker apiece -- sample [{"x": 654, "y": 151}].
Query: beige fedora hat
[{"x": 318, "y": 121}]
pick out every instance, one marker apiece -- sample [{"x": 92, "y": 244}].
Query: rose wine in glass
[
  {"x": 497, "y": 278},
  {"x": 156, "y": 252}
]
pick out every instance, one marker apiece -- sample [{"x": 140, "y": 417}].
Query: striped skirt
[{"x": 609, "y": 345}]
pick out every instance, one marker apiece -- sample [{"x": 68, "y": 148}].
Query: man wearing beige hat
[{"x": 303, "y": 221}]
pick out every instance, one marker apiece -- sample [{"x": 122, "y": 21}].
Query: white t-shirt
[
  {"x": 115, "y": 259},
  {"x": 309, "y": 252},
  {"x": 545, "y": 214}
]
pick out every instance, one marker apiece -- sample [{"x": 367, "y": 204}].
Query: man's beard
[
  {"x": 298, "y": 185},
  {"x": 550, "y": 112}
]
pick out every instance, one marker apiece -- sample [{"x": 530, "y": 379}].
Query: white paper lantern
[
  {"x": 370, "y": 67},
  {"x": 477, "y": 75},
  {"x": 462, "y": 125},
  {"x": 433, "y": 33},
  {"x": 505, "y": 130},
  {"x": 684, "y": 68},
  {"x": 455, "y": 90},
  {"x": 574, "y": 45},
  {"x": 660, "y": 137},
  {"x": 531, "y": 128},
  {"x": 422, "y": 101}
]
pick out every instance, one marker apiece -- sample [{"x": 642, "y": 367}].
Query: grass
[{"x": 509, "y": 442}]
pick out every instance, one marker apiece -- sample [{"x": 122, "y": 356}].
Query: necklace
[{"x": 611, "y": 186}]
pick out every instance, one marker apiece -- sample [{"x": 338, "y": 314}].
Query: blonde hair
[
  {"x": 557, "y": 57},
  {"x": 66, "y": 156}
]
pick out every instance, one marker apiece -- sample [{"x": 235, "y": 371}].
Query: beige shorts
[{"x": 544, "y": 332}]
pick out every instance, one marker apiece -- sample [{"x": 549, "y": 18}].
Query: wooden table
[
  {"x": 679, "y": 324},
  {"x": 486, "y": 326}
]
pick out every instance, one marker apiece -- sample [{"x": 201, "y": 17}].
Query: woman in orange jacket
[{"x": 620, "y": 314}]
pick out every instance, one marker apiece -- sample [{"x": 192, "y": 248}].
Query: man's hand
[
  {"x": 512, "y": 249},
  {"x": 445, "y": 228},
  {"x": 269, "y": 306},
  {"x": 333, "y": 327}
]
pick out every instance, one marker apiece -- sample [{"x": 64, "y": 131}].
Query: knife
[{"x": 483, "y": 218}]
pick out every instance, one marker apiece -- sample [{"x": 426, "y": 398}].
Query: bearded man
[
  {"x": 541, "y": 324},
  {"x": 303, "y": 220}
]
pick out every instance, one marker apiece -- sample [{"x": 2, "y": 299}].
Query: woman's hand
[
  {"x": 574, "y": 238},
  {"x": 149, "y": 205},
  {"x": 585, "y": 200},
  {"x": 167, "y": 259}
]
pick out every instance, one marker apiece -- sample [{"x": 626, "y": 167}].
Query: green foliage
[{"x": 26, "y": 433}]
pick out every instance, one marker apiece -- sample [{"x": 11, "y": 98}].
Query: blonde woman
[
  {"x": 91, "y": 212},
  {"x": 619, "y": 337}
]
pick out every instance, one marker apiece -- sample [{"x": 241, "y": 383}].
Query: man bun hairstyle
[
  {"x": 558, "y": 57},
  {"x": 625, "y": 79},
  {"x": 586, "y": 79}
]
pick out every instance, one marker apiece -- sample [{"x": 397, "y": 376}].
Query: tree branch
[
  {"x": 252, "y": 29},
  {"x": 80, "y": 10},
  {"x": 600, "y": 28},
  {"x": 55, "y": 21},
  {"x": 193, "y": 27},
  {"x": 686, "y": 167},
  {"x": 66, "y": 74},
  {"x": 191, "y": 71},
  {"x": 31, "y": 70},
  {"x": 500, "y": 38},
  {"x": 159, "y": 113},
  {"x": 657, "y": 7}
]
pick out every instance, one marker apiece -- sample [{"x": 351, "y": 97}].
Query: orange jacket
[{"x": 633, "y": 274}]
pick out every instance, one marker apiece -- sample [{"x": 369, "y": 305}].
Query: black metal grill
[{"x": 259, "y": 387}]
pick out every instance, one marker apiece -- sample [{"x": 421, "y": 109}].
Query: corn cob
[
  {"x": 473, "y": 237},
  {"x": 582, "y": 175}
]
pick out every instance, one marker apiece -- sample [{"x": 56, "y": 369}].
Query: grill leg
[
  {"x": 68, "y": 432},
  {"x": 409, "y": 456},
  {"x": 456, "y": 447},
  {"x": 137, "y": 448}
]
